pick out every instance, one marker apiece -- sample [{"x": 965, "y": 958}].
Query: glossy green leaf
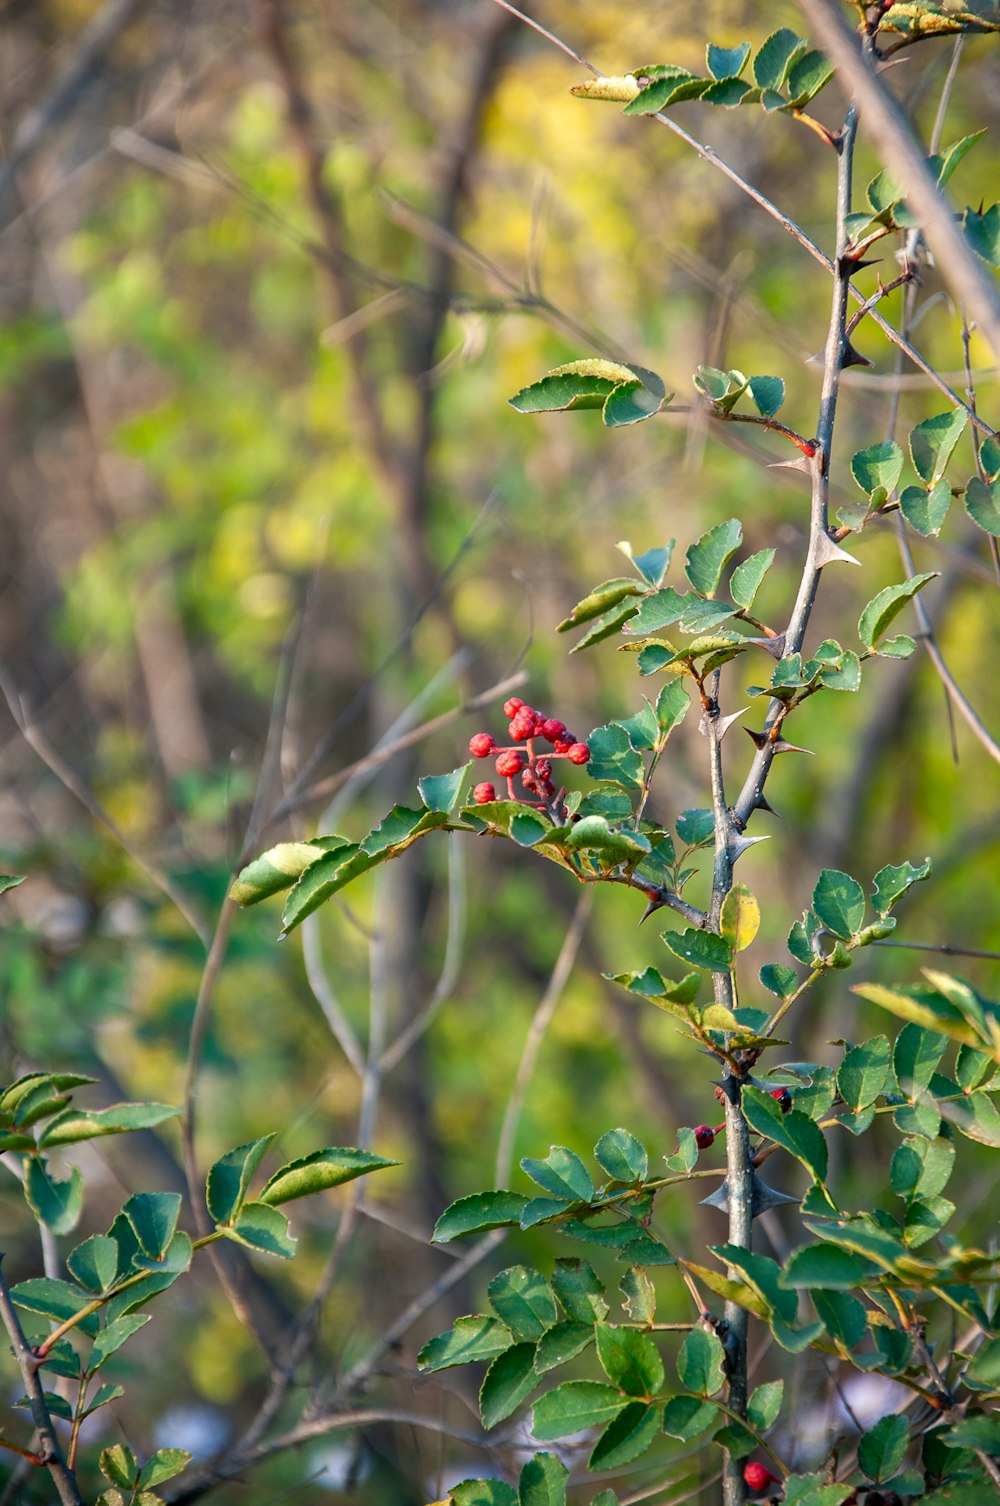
[
  {"x": 119, "y": 1465},
  {"x": 613, "y": 758},
  {"x": 57, "y": 1202},
  {"x": 727, "y": 62},
  {"x": 562, "y": 1174},
  {"x": 663, "y": 92},
  {"x": 806, "y": 77},
  {"x": 477, "y": 1213},
  {"x": 262, "y": 1228},
  {"x": 660, "y": 610},
  {"x": 828, "y": 1266},
  {"x": 562, "y": 1343},
  {"x": 112, "y": 1336},
  {"x": 704, "y": 949},
  {"x": 543, "y": 1482},
  {"x": 605, "y": 626},
  {"x": 773, "y": 59},
  {"x": 672, "y": 706},
  {"x": 882, "y": 610},
  {"x": 915, "y": 1057},
  {"x": 611, "y": 593},
  {"x": 765, "y": 1404},
  {"x": 626, "y": 1437},
  {"x": 701, "y": 1363},
  {"x": 528, "y": 829},
  {"x": 879, "y": 465},
  {"x": 864, "y": 1072},
  {"x": 441, "y": 792},
  {"x": 768, "y": 393},
  {"x": 508, "y": 1382},
  {"x": 229, "y": 1178},
  {"x": 614, "y": 844},
  {"x": 779, "y": 980},
  {"x": 891, "y": 883},
  {"x": 622, "y": 1156},
  {"x": 685, "y": 1417},
  {"x": 932, "y": 441},
  {"x": 51, "y": 1298},
  {"x": 630, "y": 1359},
  {"x": 707, "y": 558},
  {"x": 627, "y": 394},
  {"x": 762, "y": 1275},
  {"x": 523, "y": 1299},
  {"x": 163, "y": 1465},
  {"x": 483, "y": 1493},
  {"x": 746, "y": 579},
  {"x": 94, "y": 1263},
  {"x": 331, "y": 1167},
  {"x": 838, "y": 900},
  {"x": 728, "y": 92},
  {"x": 274, "y": 870},
  {"x": 477, "y": 1337},
  {"x": 573, "y": 1407},
  {"x": 795, "y": 1131},
  {"x": 844, "y": 1317},
  {"x": 881, "y": 1448},
  {"x": 926, "y": 510},
  {"x": 982, "y": 503}
]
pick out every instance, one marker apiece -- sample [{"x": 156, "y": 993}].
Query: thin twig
[{"x": 49, "y": 1452}]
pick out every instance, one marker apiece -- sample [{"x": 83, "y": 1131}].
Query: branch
[
  {"x": 49, "y": 1452},
  {"x": 893, "y": 137}
]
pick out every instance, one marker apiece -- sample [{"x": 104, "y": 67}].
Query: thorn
[
  {"x": 762, "y": 805},
  {"x": 757, "y": 738},
  {"x": 763, "y": 1198},
  {"x": 774, "y": 646},
  {"x": 801, "y": 464},
  {"x": 761, "y": 740},
  {"x": 739, "y": 844},
  {"x": 854, "y": 357},
  {"x": 856, "y": 266},
  {"x": 653, "y": 905},
  {"x": 828, "y": 553},
  {"x": 727, "y": 721},
  {"x": 782, "y": 747}
]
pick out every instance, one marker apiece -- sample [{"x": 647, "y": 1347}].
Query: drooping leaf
[
  {"x": 778, "y": 979},
  {"x": 573, "y": 1407},
  {"x": 886, "y": 606},
  {"x": 112, "y": 1336},
  {"x": 614, "y": 844},
  {"x": 627, "y": 394},
  {"x": 320, "y": 1170},
  {"x": 739, "y": 921},
  {"x": 707, "y": 558},
  {"x": 704, "y": 949},
  {"x": 630, "y": 1359},
  {"x": 746, "y": 579},
  {"x": 274, "y": 870},
  {"x": 508, "y": 1382},
  {"x": 827, "y": 1266},
  {"x": 57, "y": 1202},
  {"x": 477, "y": 1337},
  {"x": 477, "y": 1213},
  {"x": 626, "y": 1436},
  {"x": 263, "y": 1228},
  {"x": 611, "y": 593},
  {"x": 768, "y": 393}
]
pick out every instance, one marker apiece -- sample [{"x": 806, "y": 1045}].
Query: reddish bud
[
  {"x": 482, "y": 745},
  {"x": 522, "y": 725},
  {"x": 552, "y": 730},
  {"x": 563, "y": 744},
  {"x": 528, "y": 780},
  {"x": 483, "y": 794},
  {"x": 758, "y": 1477},
  {"x": 510, "y": 763},
  {"x": 513, "y": 706},
  {"x": 782, "y": 1097},
  {"x": 578, "y": 753},
  {"x": 704, "y": 1136},
  {"x": 543, "y": 768}
]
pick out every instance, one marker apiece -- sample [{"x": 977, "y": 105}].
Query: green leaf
[
  {"x": 878, "y": 465},
  {"x": 73, "y": 1125},
  {"x": 739, "y": 921},
  {"x": 765, "y": 1404},
  {"x": 612, "y": 757},
  {"x": 672, "y": 706},
  {"x": 795, "y": 1131},
  {"x": 626, "y": 1437},
  {"x": 579, "y": 1291},
  {"x": 476, "y": 1337},
  {"x": 983, "y": 233},
  {"x": 276, "y": 869},
  {"x": 622, "y": 1156},
  {"x": 915, "y": 1057},
  {"x": 153, "y": 1217},
  {"x": 163, "y": 1465},
  {"x": 261, "y": 1227},
  {"x": 543, "y": 1482},
  {"x": 701, "y": 1363},
  {"x": 653, "y": 564},
  {"x": 887, "y": 605},
  {"x": 971, "y": 1067},
  {"x": 229, "y": 1178},
  {"x": 527, "y": 829},
  {"x": 113, "y": 1336},
  {"x": 441, "y": 792},
  {"x": 665, "y": 91},
  {"x": 11, "y": 881},
  {"x": 627, "y": 394},
  {"x": 844, "y": 1317},
  {"x": 57, "y": 1204},
  {"x": 775, "y": 56},
  {"x": 331, "y": 1167},
  {"x": 102, "y": 1397},
  {"x": 864, "y": 1072},
  {"x": 768, "y": 393},
  {"x": 510, "y": 1379},
  {"x": 982, "y": 503},
  {"x": 839, "y": 902},
  {"x": 989, "y": 457},
  {"x": 806, "y": 77},
  {"x": 696, "y": 827},
  {"x": 727, "y": 62},
  {"x": 728, "y": 92},
  {"x": 881, "y": 1449},
  {"x": 746, "y": 579},
  {"x": 932, "y": 442},
  {"x": 704, "y": 949},
  {"x": 828, "y": 1266},
  {"x": 477, "y": 1213},
  {"x": 684, "y": 1417},
  {"x": 119, "y": 1465},
  {"x": 615, "y": 845},
  {"x": 707, "y": 558},
  {"x": 926, "y": 510},
  {"x": 134, "y": 1297},
  {"x": 652, "y": 985},
  {"x": 640, "y": 1295},
  {"x": 630, "y": 1359},
  {"x": 979, "y": 1431},
  {"x": 523, "y": 1299},
  {"x": 610, "y": 593},
  {"x": 483, "y": 1493},
  {"x": 562, "y": 1343},
  {"x": 810, "y": 1490},
  {"x": 55, "y": 1299},
  {"x": 891, "y": 883},
  {"x": 562, "y": 1173},
  {"x": 778, "y": 979},
  {"x": 94, "y": 1263},
  {"x": 605, "y": 626},
  {"x": 573, "y": 1407},
  {"x": 762, "y": 1275}
]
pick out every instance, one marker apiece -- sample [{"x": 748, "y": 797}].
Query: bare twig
[{"x": 49, "y": 1452}]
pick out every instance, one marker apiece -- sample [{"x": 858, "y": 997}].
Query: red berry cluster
[{"x": 527, "y": 726}]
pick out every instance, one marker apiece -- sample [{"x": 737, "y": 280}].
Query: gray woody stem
[
  {"x": 49, "y": 1451},
  {"x": 890, "y": 130}
]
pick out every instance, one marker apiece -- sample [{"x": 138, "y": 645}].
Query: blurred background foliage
[{"x": 254, "y": 378}]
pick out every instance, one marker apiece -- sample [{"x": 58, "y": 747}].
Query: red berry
[
  {"x": 482, "y": 745},
  {"x": 483, "y": 794},
  {"x": 552, "y": 730},
  {"x": 783, "y": 1097},
  {"x": 510, "y": 763},
  {"x": 704, "y": 1136},
  {"x": 758, "y": 1477},
  {"x": 528, "y": 780},
  {"x": 522, "y": 725},
  {"x": 513, "y": 706},
  {"x": 578, "y": 753},
  {"x": 543, "y": 768},
  {"x": 563, "y": 744}
]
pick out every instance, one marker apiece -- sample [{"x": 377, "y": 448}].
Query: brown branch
[{"x": 49, "y": 1452}]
